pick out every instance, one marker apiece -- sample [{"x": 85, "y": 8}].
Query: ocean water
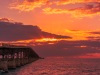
[{"x": 59, "y": 66}]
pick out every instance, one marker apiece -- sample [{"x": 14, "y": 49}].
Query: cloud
[
  {"x": 65, "y": 2},
  {"x": 13, "y": 31},
  {"x": 87, "y": 7},
  {"x": 78, "y": 34},
  {"x": 55, "y": 11},
  {"x": 86, "y": 10},
  {"x": 68, "y": 48},
  {"x": 78, "y": 49},
  {"x": 95, "y": 35},
  {"x": 95, "y": 32},
  {"x": 94, "y": 38},
  {"x": 29, "y": 5},
  {"x": 6, "y": 19},
  {"x": 49, "y": 35}
]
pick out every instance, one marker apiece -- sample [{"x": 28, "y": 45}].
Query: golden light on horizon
[{"x": 46, "y": 40}]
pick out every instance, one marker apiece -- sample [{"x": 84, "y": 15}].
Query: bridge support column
[
  {"x": 11, "y": 62},
  {"x": 3, "y": 64},
  {"x": 21, "y": 58},
  {"x": 17, "y": 60}
]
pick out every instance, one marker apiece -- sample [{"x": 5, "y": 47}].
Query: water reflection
[{"x": 59, "y": 66}]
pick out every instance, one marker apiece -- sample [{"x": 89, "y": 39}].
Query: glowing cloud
[
  {"x": 46, "y": 39},
  {"x": 28, "y": 5},
  {"x": 87, "y": 10},
  {"x": 83, "y": 34},
  {"x": 77, "y": 34},
  {"x": 64, "y": 2},
  {"x": 87, "y": 7},
  {"x": 54, "y": 11}
]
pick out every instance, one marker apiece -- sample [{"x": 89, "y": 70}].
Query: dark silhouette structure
[{"x": 14, "y": 56}]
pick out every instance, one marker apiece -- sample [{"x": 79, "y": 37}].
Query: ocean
[{"x": 59, "y": 66}]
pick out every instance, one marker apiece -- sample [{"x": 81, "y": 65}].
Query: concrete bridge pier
[
  {"x": 11, "y": 64},
  {"x": 17, "y": 60},
  {"x": 21, "y": 58},
  {"x": 11, "y": 61},
  {"x": 3, "y": 64}
]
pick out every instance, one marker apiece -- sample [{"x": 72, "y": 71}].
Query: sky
[{"x": 52, "y": 22}]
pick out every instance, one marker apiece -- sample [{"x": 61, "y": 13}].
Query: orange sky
[
  {"x": 55, "y": 16},
  {"x": 76, "y": 18}
]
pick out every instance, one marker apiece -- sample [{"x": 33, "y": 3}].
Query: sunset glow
[
  {"x": 69, "y": 27},
  {"x": 46, "y": 40}
]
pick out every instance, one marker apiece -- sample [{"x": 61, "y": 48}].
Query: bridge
[{"x": 12, "y": 57}]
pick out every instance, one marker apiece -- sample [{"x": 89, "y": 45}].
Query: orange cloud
[
  {"x": 95, "y": 36},
  {"x": 83, "y": 34},
  {"x": 83, "y": 11},
  {"x": 87, "y": 10},
  {"x": 77, "y": 34},
  {"x": 64, "y": 2},
  {"x": 28, "y": 5},
  {"x": 54, "y": 11}
]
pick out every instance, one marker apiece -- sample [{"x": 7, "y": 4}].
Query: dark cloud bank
[
  {"x": 68, "y": 48},
  {"x": 17, "y": 31}
]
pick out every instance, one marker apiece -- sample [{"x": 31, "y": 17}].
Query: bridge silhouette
[{"x": 12, "y": 57}]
